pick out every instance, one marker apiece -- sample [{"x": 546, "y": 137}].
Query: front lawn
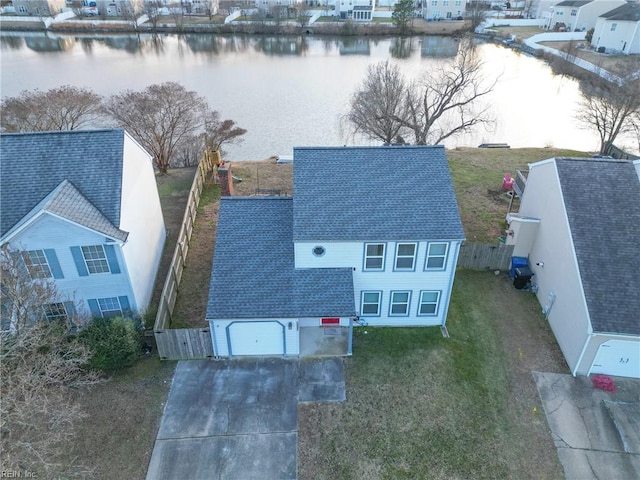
[{"x": 422, "y": 406}]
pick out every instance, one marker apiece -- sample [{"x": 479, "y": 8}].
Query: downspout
[
  {"x": 350, "y": 337},
  {"x": 584, "y": 349}
]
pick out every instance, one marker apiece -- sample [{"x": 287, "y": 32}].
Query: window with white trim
[
  {"x": 574, "y": 12},
  {"x": 405, "y": 256},
  {"x": 37, "y": 264},
  {"x": 613, "y": 27},
  {"x": 434, "y": 3},
  {"x": 55, "y": 311},
  {"x": 429, "y": 300},
  {"x": 370, "y": 304},
  {"x": 95, "y": 259},
  {"x": 458, "y": 3},
  {"x": 445, "y": 3},
  {"x": 110, "y": 307},
  {"x": 399, "y": 303},
  {"x": 374, "y": 256},
  {"x": 436, "y": 256}
]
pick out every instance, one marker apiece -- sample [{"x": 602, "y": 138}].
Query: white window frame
[
  {"x": 574, "y": 12},
  {"x": 398, "y": 257},
  {"x": 55, "y": 311},
  {"x": 92, "y": 263},
  {"x": 363, "y": 303},
  {"x": 436, "y": 303},
  {"x": 433, "y": 256},
  {"x": 394, "y": 302},
  {"x": 613, "y": 27},
  {"x": 381, "y": 257},
  {"x": 37, "y": 263},
  {"x": 107, "y": 305}
]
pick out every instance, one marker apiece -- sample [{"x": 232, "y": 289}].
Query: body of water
[{"x": 293, "y": 91}]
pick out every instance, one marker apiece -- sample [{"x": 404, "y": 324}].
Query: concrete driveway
[
  {"x": 597, "y": 433},
  {"x": 237, "y": 419}
]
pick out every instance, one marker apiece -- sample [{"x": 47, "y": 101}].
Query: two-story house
[
  {"x": 39, "y": 8},
  {"x": 580, "y": 15},
  {"x": 370, "y": 237},
  {"x": 83, "y": 209},
  {"x": 618, "y": 30},
  {"x": 579, "y": 227},
  {"x": 357, "y": 10},
  {"x": 443, "y": 9}
]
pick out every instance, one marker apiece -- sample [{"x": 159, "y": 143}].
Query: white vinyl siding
[
  {"x": 374, "y": 256},
  {"x": 405, "y": 256}
]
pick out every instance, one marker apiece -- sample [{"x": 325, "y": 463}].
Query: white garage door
[
  {"x": 618, "y": 358},
  {"x": 256, "y": 338}
]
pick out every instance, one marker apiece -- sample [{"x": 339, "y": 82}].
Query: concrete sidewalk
[
  {"x": 238, "y": 419},
  {"x": 597, "y": 433}
]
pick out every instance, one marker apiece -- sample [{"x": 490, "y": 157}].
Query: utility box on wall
[{"x": 521, "y": 232}]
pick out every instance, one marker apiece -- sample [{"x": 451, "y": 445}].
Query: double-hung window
[
  {"x": 429, "y": 300},
  {"x": 436, "y": 256},
  {"x": 55, "y": 311},
  {"x": 95, "y": 259},
  {"x": 374, "y": 256},
  {"x": 405, "y": 256},
  {"x": 399, "y": 303},
  {"x": 37, "y": 264},
  {"x": 110, "y": 307},
  {"x": 370, "y": 304}
]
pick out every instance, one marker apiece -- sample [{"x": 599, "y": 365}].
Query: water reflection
[
  {"x": 49, "y": 44},
  {"x": 354, "y": 46},
  {"x": 281, "y": 45},
  {"x": 433, "y": 46}
]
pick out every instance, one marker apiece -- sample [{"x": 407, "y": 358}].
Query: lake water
[{"x": 292, "y": 91}]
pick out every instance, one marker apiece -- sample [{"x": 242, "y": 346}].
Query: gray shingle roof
[
  {"x": 629, "y": 12},
  {"x": 32, "y": 165},
  {"x": 374, "y": 193},
  {"x": 602, "y": 199},
  {"x": 253, "y": 273},
  {"x": 67, "y": 202},
  {"x": 573, "y": 3}
]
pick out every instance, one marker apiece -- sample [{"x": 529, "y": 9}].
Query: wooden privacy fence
[
  {"x": 184, "y": 343},
  {"x": 481, "y": 256}
]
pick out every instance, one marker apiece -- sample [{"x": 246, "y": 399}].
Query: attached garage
[
  {"x": 618, "y": 358},
  {"x": 256, "y": 338}
]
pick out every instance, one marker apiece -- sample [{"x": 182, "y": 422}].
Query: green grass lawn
[{"x": 420, "y": 406}]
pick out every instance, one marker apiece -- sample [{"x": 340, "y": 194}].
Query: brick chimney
[{"x": 226, "y": 179}]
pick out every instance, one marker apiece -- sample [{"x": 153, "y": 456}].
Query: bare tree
[
  {"x": 39, "y": 363},
  {"x": 377, "y": 107},
  {"x": 152, "y": 10},
  {"x": 477, "y": 12},
  {"x": 610, "y": 107},
  {"x": 163, "y": 118},
  {"x": 433, "y": 108},
  {"x": 219, "y": 132},
  {"x": 62, "y": 108}
]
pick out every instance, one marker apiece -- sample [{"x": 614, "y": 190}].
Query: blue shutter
[
  {"x": 124, "y": 304},
  {"x": 94, "y": 307},
  {"x": 54, "y": 265},
  {"x": 79, "y": 259},
  {"x": 110, "y": 251}
]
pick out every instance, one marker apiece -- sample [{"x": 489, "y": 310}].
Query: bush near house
[{"x": 114, "y": 342}]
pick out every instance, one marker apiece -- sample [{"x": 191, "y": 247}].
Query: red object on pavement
[{"x": 603, "y": 383}]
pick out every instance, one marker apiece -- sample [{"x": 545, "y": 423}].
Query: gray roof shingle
[
  {"x": 602, "y": 199},
  {"x": 32, "y": 165},
  {"x": 629, "y": 12},
  {"x": 253, "y": 273},
  {"x": 374, "y": 193}
]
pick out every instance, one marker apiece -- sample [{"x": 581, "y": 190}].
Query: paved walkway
[
  {"x": 597, "y": 433},
  {"x": 237, "y": 419}
]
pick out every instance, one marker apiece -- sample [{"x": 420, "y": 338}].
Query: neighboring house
[
  {"x": 579, "y": 226},
  {"x": 443, "y": 9},
  {"x": 39, "y": 8},
  {"x": 371, "y": 236},
  {"x": 358, "y": 10},
  {"x": 619, "y": 29},
  {"x": 83, "y": 208},
  {"x": 581, "y": 15}
]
